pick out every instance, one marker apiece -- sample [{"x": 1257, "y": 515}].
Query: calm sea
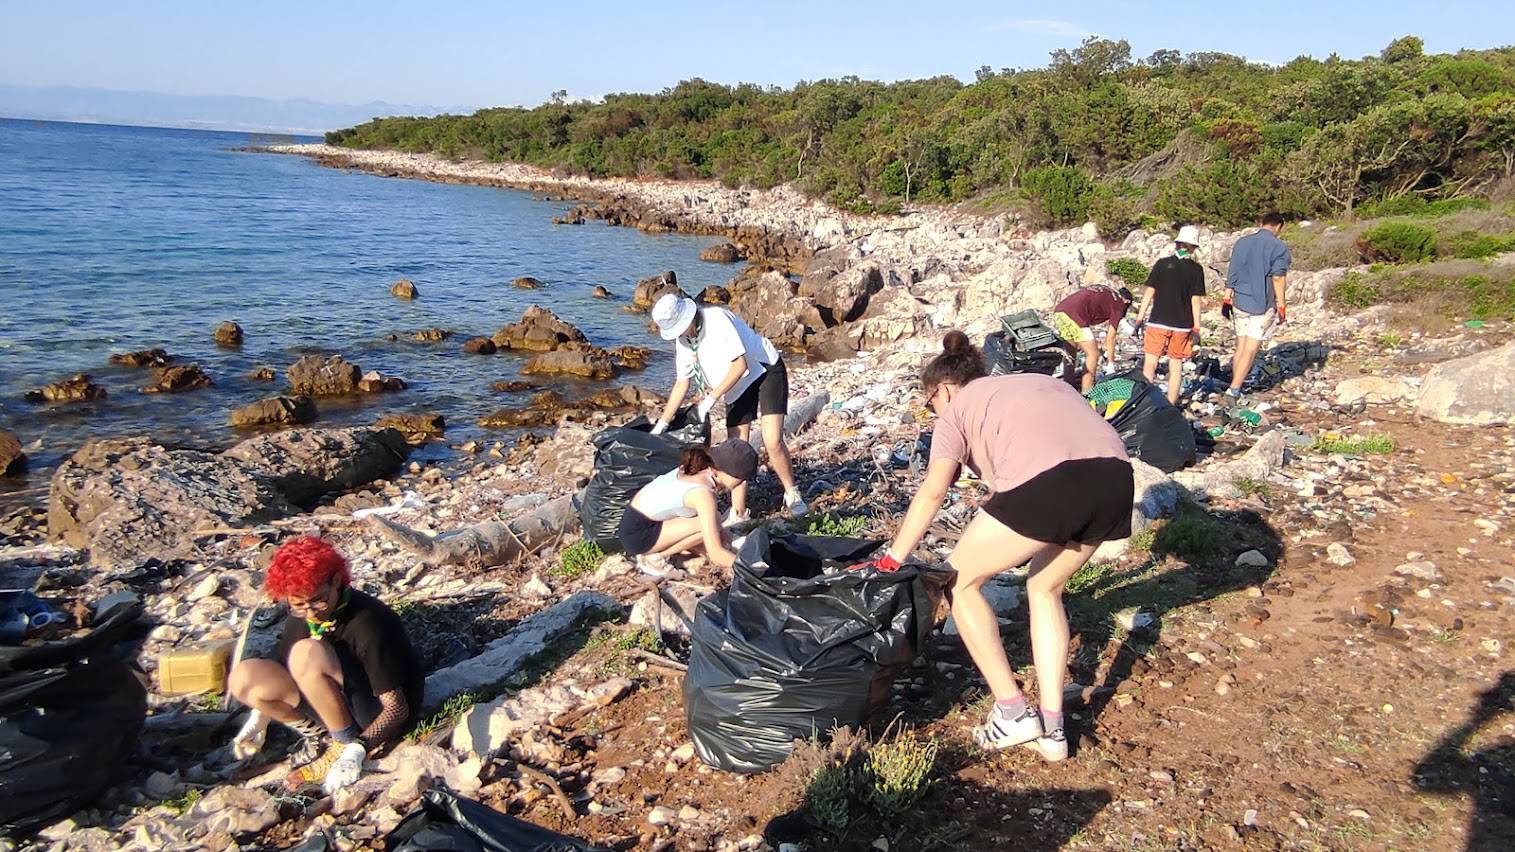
[{"x": 121, "y": 238}]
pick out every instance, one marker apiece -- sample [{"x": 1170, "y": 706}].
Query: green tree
[{"x": 1403, "y": 50}]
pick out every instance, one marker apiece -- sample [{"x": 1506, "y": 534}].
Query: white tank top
[{"x": 663, "y": 498}]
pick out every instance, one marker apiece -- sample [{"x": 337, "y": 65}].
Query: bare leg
[
  {"x": 267, "y": 687},
  {"x": 1091, "y": 363},
  {"x": 1049, "y": 622},
  {"x": 778, "y": 452},
  {"x": 1175, "y": 379},
  {"x": 1241, "y": 363},
  {"x": 987, "y": 547},
  {"x": 318, "y": 673},
  {"x": 1149, "y": 367},
  {"x": 739, "y": 493},
  {"x": 678, "y": 535}
]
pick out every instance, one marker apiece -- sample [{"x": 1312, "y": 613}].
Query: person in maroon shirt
[{"x": 1076, "y": 318}]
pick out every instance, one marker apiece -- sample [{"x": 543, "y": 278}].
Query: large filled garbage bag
[
  {"x": 447, "y": 821},
  {"x": 798, "y": 645},
  {"x": 1154, "y": 430},
  {"x": 1003, "y": 357},
  {"x": 627, "y": 458},
  {"x": 70, "y": 714}
]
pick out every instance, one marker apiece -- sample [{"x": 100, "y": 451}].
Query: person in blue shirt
[{"x": 1255, "y": 294}]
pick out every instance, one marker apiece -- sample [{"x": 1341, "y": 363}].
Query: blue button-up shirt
[{"x": 1255, "y": 261}]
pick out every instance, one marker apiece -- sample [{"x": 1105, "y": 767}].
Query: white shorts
[{"x": 1256, "y": 326}]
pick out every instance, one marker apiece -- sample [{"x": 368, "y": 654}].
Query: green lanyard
[
  {"x": 700, "y": 382},
  {"x": 319, "y": 629}
]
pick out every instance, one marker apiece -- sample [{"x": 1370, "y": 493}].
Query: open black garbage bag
[
  {"x": 627, "y": 458},
  {"x": 1002, "y": 358},
  {"x": 1155, "y": 431},
  {"x": 70, "y": 713},
  {"x": 797, "y": 645},
  {"x": 447, "y": 821}
]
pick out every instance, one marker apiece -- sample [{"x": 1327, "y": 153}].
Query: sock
[
  {"x": 1010, "y": 708},
  {"x": 1052, "y": 721},
  {"x": 347, "y": 735}
]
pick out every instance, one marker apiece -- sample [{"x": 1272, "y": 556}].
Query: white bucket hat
[
  {"x": 1188, "y": 234},
  {"x": 673, "y": 314}
]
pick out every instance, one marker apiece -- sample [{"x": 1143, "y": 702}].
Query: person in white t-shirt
[{"x": 721, "y": 357}]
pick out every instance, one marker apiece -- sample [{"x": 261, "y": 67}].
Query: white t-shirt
[{"x": 723, "y": 338}]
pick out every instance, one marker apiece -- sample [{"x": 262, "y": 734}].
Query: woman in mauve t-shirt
[{"x": 1062, "y": 485}]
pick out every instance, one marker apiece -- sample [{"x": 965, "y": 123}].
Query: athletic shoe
[
  {"x": 999, "y": 732},
  {"x": 653, "y": 565},
  {"x": 1052, "y": 746},
  {"x": 733, "y": 519},
  {"x": 795, "y": 503}
]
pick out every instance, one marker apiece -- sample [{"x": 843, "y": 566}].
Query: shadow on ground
[{"x": 1486, "y": 775}]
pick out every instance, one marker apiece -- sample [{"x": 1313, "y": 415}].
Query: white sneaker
[
  {"x": 733, "y": 519},
  {"x": 653, "y": 565},
  {"x": 795, "y": 503},
  {"x": 998, "y": 732},
  {"x": 1052, "y": 746}
]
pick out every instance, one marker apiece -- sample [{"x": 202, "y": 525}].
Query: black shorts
[
  {"x": 1085, "y": 501},
  {"x": 768, "y": 395},
  {"x": 638, "y": 533}
]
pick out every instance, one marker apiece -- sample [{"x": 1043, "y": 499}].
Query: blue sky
[{"x": 517, "y": 53}]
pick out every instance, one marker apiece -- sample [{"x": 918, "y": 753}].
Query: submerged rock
[
  {"x": 275, "y": 411},
  {"x": 229, "y": 335},
  {"x": 80, "y": 388},
  {"x": 263, "y": 374},
  {"x": 539, "y": 330},
  {"x": 12, "y": 459},
  {"x": 430, "y": 335},
  {"x": 179, "y": 379},
  {"x": 375, "y": 382},
  {"x": 630, "y": 357},
  {"x": 514, "y": 386},
  {"x": 526, "y": 282},
  {"x": 404, "y": 289},
  {"x": 480, "y": 346},
  {"x": 313, "y": 375},
  {"x": 129, "y": 501},
  {"x": 417, "y": 428},
  {"x": 600, "y": 292},
  {"x": 721, "y": 253},
  {"x": 142, "y": 358}
]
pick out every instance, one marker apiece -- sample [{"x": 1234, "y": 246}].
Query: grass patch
[
  {"x": 1371, "y": 445},
  {"x": 1191, "y": 534},
  {"x": 1449, "y": 290},
  {"x": 840, "y": 526},
  {"x": 180, "y": 804},
  {"x": 1088, "y": 576},
  {"x": 1391, "y": 340},
  {"x": 1254, "y": 488},
  {"x": 644, "y": 638},
  {"x": 578, "y": 559},
  {"x": 1142, "y": 541},
  {"x": 447, "y": 715}
]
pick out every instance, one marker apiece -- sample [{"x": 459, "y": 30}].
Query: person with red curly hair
[{"x": 344, "y": 667}]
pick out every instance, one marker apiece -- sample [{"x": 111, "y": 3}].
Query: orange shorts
[{"x": 1174, "y": 344}]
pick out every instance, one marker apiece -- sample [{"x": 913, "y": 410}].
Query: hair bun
[{"x": 956, "y": 343}]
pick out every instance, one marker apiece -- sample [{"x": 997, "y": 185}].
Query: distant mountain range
[{"x": 208, "y": 112}]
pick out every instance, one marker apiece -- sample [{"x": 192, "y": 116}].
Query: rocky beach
[{"x": 1279, "y": 658}]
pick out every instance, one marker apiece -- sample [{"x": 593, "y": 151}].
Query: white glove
[
  {"x": 702, "y": 411},
  {"x": 660, "y": 427},
  {"x": 249, "y": 740},
  {"x": 346, "y": 770}
]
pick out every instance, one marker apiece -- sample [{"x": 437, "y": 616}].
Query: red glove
[
  {"x": 1226, "y": 309},
  {"x": 1281, "y": 315},
  {"x": 886, "y": 563}
]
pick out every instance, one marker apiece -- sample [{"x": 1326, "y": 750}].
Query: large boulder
[
  {"x": 142, "y": 358},
  {"x": 313, "y": 375},
  {"x": 892, "y": 315},
  {"x": 649, "y": 290},
  {"x": 417, "y": 428},
  {"x": 275, "y": 411},
  {"x": 581, "y": 359},
  {"x": 842, "y": 296},
  {"x": 178, "y": 379},
  {"x": 12, "y": 460},
  {"x": 404, "y": 289},
  {"x": 229, "y": 335},
  {"x": 767, "y": 301},
  {"x": 130, "y": 500},
  {"x": 1478, "y": 390},
  {"x": 714, "y": 295},
  {"x": 1373, "y": 389},
  {"x": 721, "y": 253},
  {"x": 539, "y": 330},
  {"x": 79, "y": 388}
]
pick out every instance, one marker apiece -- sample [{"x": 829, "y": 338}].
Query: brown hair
[
  {"x": 960, "y": 363},
  {"x": 694, "y": 459}
]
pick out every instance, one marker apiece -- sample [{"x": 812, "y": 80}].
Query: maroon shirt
[{"x": 1093, "y": 306}]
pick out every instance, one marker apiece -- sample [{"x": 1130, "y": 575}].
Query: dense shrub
[
  {"x": 1115, "y": 207},
  {"x": 1225, "y": 193},
  {"x": 1472, "y": 245},
  {"x": 1420, "y": 206},
  {"x": 1062, "y": 193},
  {"x": 1397, "y": 242},
  {"x": 1128, "y": 269}
]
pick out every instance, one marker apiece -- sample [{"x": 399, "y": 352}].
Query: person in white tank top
[{"x": 677, "y": 513}]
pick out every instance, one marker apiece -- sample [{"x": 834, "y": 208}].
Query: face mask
[{"x": 1181, "y": 253}]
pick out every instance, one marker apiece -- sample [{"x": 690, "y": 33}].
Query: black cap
[{"x": 735, "y": 457}]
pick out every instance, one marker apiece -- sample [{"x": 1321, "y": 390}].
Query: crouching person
[{"x": 344, "y": 669}]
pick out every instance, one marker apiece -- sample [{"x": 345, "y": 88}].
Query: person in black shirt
[
  {"x": 344, "y": 665},
  {"x": 1170, "y": 310}
]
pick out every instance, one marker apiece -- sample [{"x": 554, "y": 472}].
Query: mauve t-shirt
[
  {"x": 1093, "y": 306},
  {"x": 1009, "y": 429}
]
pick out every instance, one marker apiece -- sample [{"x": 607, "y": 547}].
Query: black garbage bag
[
  {"x": 797, "y": 645},
  {"x": 447, "y": 821},
  {"x": 1154, "y": 430},
  {"x": 627, "y": 458},
  {"x": 1003, "y": 358},
  {"x": 70, "y": 713}
]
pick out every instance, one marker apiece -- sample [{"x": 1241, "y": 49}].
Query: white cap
[
  {"x": 673, "y": 314},
  {"x": 1188, "y": 234}
]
